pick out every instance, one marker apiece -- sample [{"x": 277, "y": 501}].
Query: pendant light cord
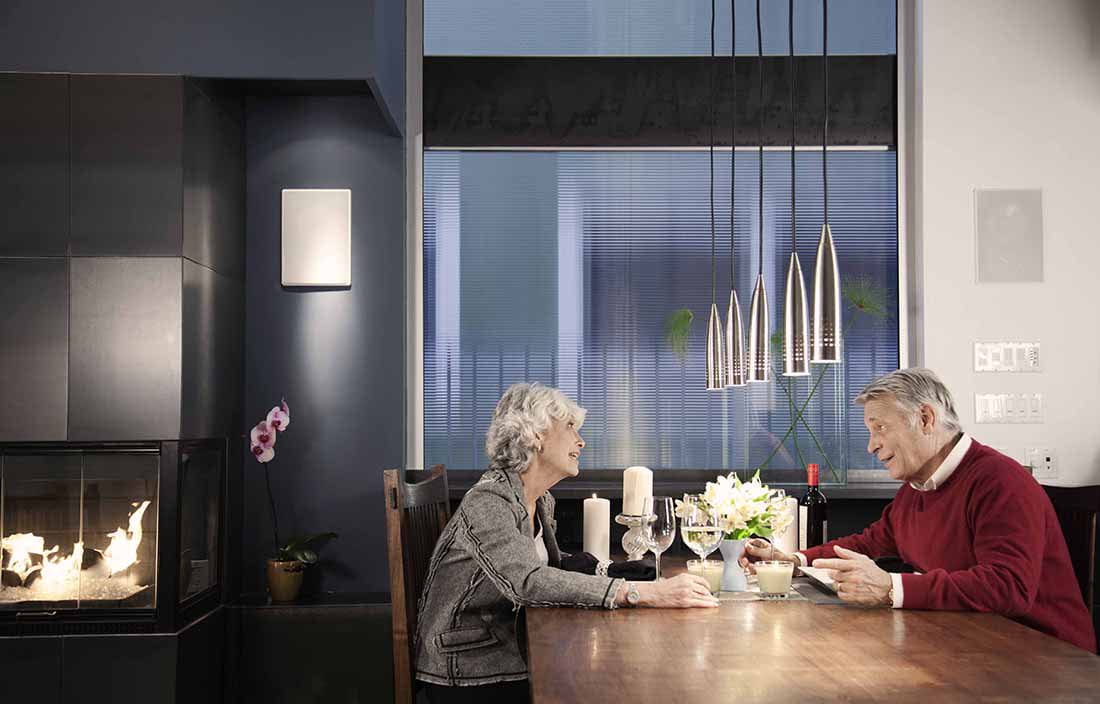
[
  {"x": 733, "y": 135},
  {"x": 713, "y": 241},
  {"x": 825, "y": 131},
  {"x": 760, "y": 62},
  {"x": 790, "y": 40}
]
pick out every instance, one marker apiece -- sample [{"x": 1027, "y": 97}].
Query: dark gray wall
[
  {"x": 336, "y": 355},
  {"x": 277, "y": 39}
]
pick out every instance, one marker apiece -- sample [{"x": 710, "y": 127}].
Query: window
[{"x": 563, "y": 267}]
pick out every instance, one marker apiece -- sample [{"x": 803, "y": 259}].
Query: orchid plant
[
  {"x": 744, "y": 509},
  {"x": 262, "y": 445}
]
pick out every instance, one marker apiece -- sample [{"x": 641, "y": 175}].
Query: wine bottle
[{"x": 813, "y": 522}]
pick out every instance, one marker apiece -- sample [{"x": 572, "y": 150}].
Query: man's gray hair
[
  {"x": 912, "y": 388},
  {"x": 522, "y": 412}
]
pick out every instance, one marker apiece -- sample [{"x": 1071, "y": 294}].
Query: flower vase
[
  {"x": 733, "y": 577},
  {"x": 284, "y": 579}
]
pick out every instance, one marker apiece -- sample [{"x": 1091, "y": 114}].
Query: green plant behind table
[{"x": 864, "y": 298}]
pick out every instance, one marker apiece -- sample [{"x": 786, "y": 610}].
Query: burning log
[{"x": 12, "y": 579}]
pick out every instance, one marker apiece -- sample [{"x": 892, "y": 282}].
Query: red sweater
[{"x": 987, "y": 540}]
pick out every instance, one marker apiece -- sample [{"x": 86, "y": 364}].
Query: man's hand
[
  {"x": 858, "y": 579},
  {"x": 757, "y": 549}
]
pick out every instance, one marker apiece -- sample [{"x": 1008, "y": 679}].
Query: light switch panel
[
  {"x": 1008, "y": 408},
  {"x": 1007, "y": 357}
]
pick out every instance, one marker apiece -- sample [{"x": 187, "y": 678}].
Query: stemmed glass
[
  {"x": 662, "y": 530},
  {"x": 699, "y": 528}
]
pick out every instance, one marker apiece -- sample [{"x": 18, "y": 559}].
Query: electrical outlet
[
  {"x": 1041, "y": 460},
  {"x": 1007, "y": 357}
]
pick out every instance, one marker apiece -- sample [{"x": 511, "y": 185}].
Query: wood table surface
[{"x": 796, "y": 651}]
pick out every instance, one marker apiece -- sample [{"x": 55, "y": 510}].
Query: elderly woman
[{"x": 499, "y": 553}]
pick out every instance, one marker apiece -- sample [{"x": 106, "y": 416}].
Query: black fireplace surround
[{"x": 110, "y": 538}]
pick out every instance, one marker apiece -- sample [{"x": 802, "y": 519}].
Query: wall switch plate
[
  {"x": 1007, "y": 357},
  {"x": 1008, "y": 408},
  {"x": 1042, "y": 462}
]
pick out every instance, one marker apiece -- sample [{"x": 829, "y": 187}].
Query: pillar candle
[
  {"x": 637, "y": 487},
  {"x": 597, "y": 527},
  {"x": 787, "y": 541}
]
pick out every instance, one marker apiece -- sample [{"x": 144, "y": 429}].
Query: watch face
[{"x": 632, "y": 595}]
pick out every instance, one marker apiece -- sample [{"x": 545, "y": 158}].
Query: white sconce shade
[{"x": 316, "y": 225}]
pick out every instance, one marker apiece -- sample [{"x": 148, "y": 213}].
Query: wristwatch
[{"x": 633, "y": 598}]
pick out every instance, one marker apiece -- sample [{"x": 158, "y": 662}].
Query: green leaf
[
  {"x": 678, "y": 331},
  {"x": 864, "y": 295},
  {"x": 307, "y": 545}
]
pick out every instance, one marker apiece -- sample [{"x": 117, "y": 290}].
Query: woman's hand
[
  {"x": 684, "y": 591},
  {"x": 758, "y": 549}
]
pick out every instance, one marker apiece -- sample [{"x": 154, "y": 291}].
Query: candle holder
[{"x": 635, "y": 542}]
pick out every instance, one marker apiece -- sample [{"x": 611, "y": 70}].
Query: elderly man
[{"x": 977, "y": 527}]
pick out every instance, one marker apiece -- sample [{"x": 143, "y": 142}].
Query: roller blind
[{"x": 562, "y": 267}]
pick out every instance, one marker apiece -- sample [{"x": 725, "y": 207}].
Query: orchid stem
[{"x": 274, "y": 516}]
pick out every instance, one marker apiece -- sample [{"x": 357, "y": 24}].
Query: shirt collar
[{"x": 947, "y": 467}]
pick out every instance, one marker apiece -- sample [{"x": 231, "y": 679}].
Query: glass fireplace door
[{"x": 79, "y": 529}]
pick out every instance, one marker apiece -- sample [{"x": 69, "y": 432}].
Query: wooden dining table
[{"x": 798, "y": 651}]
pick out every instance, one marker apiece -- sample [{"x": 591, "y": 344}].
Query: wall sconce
[{"x": 316, "y": 236}]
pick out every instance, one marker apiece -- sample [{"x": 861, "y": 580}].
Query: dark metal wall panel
[
  {"x": 201, "y": 658},
  {"x": 652, "y": 101},
  {"x": 127, "y": 165},
  {"x": 347, "y": 648},
  {"x": 34, "y": 354},
  {"x": 136, "y": 669},
  {"x": 34, "y": 165},
  {"x": 213, "y": 179},
  {"x": 213, "y": 352},
  {"x": 30, "y": 669},
  {"x": 125, "y": 339}
]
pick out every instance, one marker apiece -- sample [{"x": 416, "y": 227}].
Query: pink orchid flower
[
  {"x": 279, "y": 417},
  {"x": 263, "y": 435},
  {"x": 263, "y": 454}
]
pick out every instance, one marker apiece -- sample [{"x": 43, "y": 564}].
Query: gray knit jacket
[{"x": 483, "y": 570}]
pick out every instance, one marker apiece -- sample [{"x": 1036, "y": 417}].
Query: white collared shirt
[{"x": 938, "y": 478}]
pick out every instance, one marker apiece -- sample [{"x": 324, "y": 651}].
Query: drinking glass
[
  {"x": 661, "y": 531},
  {"x": 699, "y": 528}
]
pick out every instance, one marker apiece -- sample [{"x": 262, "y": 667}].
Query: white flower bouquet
[{"x": 744, "y": 509}]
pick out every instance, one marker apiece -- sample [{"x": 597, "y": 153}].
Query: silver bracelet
[{"x": 601, "y": 567}]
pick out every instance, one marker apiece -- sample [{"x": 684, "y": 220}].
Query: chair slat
[{"x": 416, "y": 514}]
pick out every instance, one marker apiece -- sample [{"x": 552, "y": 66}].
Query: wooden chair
[
  {"x": 1077, "y": 509},
  {"x": 416, "y": 514}
]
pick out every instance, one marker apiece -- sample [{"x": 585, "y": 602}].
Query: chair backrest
[
  {"x": 1077, "y": 508},
  {"x": 416, "y": 514}
]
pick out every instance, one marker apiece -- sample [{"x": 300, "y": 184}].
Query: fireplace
[{"x": 110, "y": 538}]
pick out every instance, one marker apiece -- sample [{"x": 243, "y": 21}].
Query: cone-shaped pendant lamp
[
  {"x": 716, "y": 359},
  {"x": 796, "y": 326},
  {"x": 827, "y": 333},
  {"x": 760, "y": 368},
  {"x": 735, "y": 328}
]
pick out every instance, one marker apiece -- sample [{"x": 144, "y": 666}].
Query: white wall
[{"x": 1008, "y": 96}]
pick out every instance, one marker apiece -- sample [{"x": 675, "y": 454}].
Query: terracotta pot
[{"x": 284, "y": 579}]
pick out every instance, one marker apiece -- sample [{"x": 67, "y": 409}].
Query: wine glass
[
  {"x": 699, "y": 528},
  {"x": 661, "y": 531}
]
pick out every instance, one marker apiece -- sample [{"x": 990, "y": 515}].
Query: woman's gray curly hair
[{"x": 524, "y": 411}]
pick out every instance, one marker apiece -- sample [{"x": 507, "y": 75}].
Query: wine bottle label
[{"x": 802, "y": 523}]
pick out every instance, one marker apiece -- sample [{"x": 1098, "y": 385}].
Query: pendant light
[
  {"x": 827, "y": 335},
  {"x": 759, "y": 332},
  {"x": 735, "y": 328},
  {"x": 716, "y": 360},
  {"x": 796, "y": 326}
]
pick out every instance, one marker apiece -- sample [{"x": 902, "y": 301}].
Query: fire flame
[
  {"x": 57, "y": 569},
  {"x": 122, "y": 552},
  {"x": 119, "y": 554},
  {"x": 21, "y": 546}
]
